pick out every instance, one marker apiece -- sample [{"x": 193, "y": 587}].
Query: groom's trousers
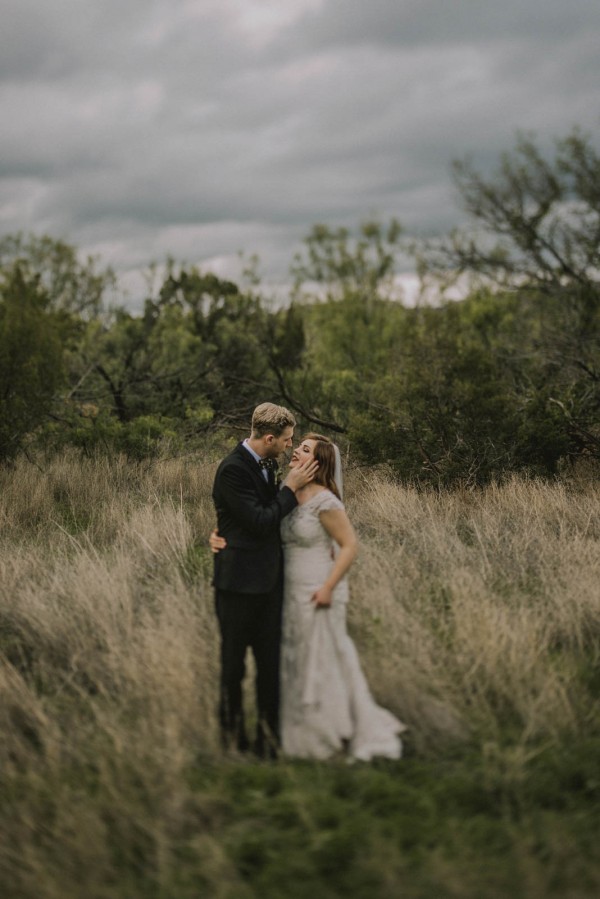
[{"x": 250, "y": 620}]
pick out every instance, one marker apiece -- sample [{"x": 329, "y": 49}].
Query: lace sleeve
[{"x": 326, "y": 501}]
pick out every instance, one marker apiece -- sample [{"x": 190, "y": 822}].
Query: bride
[{"x": 326, "y": 706}]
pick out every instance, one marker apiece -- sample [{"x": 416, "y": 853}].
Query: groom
[{"x": 248, "y": 572}]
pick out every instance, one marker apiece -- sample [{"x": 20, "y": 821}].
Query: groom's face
[{"x": 278, "y": 445}]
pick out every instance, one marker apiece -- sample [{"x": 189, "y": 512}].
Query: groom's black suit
[{"x": 248, "y": 591}]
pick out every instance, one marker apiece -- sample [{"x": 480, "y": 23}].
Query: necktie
[{"x": 271, "y": 467}]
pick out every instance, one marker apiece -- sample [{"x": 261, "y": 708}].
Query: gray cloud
[
  {"x": 410, "y": 23},
  {"x": 202, "y": 127}
]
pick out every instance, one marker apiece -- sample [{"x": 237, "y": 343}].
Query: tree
[
  {"x": 71, "y": 285},
  {"x": 460, "y": 398},
  {"x": 31, "y": 357},
  {"x": 537, "y": 232},
  {"x": 336, "y": 264},
  {"x": 324, "y": 348},
  {"x": 231, "y": 327},
  {"x": 536, "y": 222}
]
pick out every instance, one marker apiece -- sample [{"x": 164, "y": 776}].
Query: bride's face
[{"x": 306, "y": 450}]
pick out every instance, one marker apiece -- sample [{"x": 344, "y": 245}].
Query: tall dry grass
[
  {"x": 481, "y": 607},
  {"x": 107, "y": 662},
  {"x": 476, "y": 615}
]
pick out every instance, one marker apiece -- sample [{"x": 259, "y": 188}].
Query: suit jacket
[{"x": 249, "y": 512}]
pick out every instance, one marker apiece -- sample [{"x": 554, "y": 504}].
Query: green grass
[
  {"x": 461, "y": 827},
  {"x": 481, "y": 824}
]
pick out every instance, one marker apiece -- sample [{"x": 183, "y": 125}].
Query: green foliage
[
  {"x": 31, "y": 357},
  {"x": 71, "y": 285},
  {"x": 344, "y": 265},
  {"x": 195, "y": 354},
  {"x": 536, "y": 232},
  {"x": 93, "y": 430},
  {"x": 457, "y": 400},
  {"x": 507, "y": 379}
]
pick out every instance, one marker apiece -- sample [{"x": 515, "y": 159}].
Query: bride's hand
[
  {"x": 215, "y": 542},
  {"x": 322, "y": 597}
]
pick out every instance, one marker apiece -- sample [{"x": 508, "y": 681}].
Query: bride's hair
[{"x": 325, "y": 456}]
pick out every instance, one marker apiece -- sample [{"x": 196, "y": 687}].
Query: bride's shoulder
[{"x": 326, "y": 500}]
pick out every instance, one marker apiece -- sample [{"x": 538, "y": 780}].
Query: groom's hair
[{"x": 271, "y": 419}]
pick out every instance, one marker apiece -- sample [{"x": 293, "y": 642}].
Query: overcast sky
[{"x": 199, "y": 128}]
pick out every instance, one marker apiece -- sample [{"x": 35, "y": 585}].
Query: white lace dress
[{"x": 326, "y": 705}]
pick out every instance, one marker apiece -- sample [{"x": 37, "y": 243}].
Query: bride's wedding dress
[{"x": 326, "y": 705}]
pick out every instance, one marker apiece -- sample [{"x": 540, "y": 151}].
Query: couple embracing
[{"x": 281, "y": 557}]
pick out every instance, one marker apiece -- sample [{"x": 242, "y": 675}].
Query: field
[{"x": 477, "y": 619}]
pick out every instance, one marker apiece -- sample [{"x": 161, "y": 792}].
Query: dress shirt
[{"x": 258, "y": 458}]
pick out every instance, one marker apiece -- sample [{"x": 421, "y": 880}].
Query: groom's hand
[
  {"x": 301, "y": 475},
  {"x": 216, "y": 542}
]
